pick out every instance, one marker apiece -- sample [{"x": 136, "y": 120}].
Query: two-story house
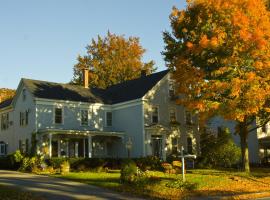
[{"x": 76, "y": 121}]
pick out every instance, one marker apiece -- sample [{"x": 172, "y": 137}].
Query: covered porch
[
  {"x": 264, "y": 145},
  {"x": 77, "y": 143}
]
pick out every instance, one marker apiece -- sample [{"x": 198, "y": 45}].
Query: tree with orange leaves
[
  {"x": 6, "y": 94},
  {"x": 219, "y": 54}
]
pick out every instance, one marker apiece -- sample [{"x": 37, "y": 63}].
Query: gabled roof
[
  {"x": 6, "y": 103},
  {"x": 133, "y": 89},
  {"x": 126, "y": 91}
]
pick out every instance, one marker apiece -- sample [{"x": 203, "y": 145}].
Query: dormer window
[
  {"x": 84, "y": 117},
  {"x": 58, "y": 116},
  {"x": 155, "y": 117}
]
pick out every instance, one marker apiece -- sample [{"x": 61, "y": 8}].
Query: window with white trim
[
  {"x": 58, "y": 115},
  {"x": 4, "y": 121},
  {"x": 155, "y": 117},
  {"x": 24, "y": 94},
  {"x": 24, "y": 118},
  {"x": 84, "y": 117},
  {"x": 189, "y": 145},
  {"x": 172, "y": 115},
  {"x": 108, "y": 118},
  {"x": 188, "y": 117},
  {"x": 171, "y": 89},
  {"x": 3, "y": 149}
]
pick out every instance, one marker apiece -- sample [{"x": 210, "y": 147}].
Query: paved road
[{"x": 58, "y": 189}]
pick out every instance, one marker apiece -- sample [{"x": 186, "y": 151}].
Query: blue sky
[{"x": 42, "y": 39}]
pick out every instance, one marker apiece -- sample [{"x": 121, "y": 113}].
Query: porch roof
[
  {"x": 265, "y": 142},
  {"x": 81, "y": 132}
]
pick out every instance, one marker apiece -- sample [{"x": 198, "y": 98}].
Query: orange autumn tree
[
  {"x": 219, "y": 54},
  {"x": 112, "y": 59},
  {"x": 6, "y": 94}
]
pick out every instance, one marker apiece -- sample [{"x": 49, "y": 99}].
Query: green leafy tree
[
  {"x": 111, "y": 60},
  {"x": 219, "y": 150},
  {"x": 219, "y": 53}
]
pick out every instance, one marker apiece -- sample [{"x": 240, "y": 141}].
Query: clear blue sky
[{"x": 41, "y": 39}]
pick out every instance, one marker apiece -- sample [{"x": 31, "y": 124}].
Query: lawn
[
  {"x": 13, "y": 193},
  {"x": 210, "y": 183}
]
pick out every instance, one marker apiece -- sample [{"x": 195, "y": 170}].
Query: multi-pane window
[
  {"x": 58, "y": 116},
  {"x": 172, "y": 115},
  {"x": 24, "y": 94},
  {"x": 4, "y": 121},
  {"x": 84, "y": 117},
  {"x": 3, "y": 149},
  {"x": 189, "y": 145},
  {"x": 264, "y": 128},
  {"x": 171, "y": 89},
  {"x": 188, "y": 118},
  {"x": 24, "y": 118},
  {"x": 174, "y": 145},
  {"x": 108, "y": 118},
  {"x": 154, "y": 114}
]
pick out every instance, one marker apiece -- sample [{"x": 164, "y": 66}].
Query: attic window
[{"x": 24, "y": 94}]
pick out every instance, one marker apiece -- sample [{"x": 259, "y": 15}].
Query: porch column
[
  {"x": 76, "y": 149},
  {"x": 59, "y": 147},
  {"x": 89, "y": 146},
  {"x": 84, "y": 148},
  {"x": 67, "y": 150},
  {"x": 50, "y": 145}
]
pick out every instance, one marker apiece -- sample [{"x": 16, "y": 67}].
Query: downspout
[{"x": 143, "y": 130}]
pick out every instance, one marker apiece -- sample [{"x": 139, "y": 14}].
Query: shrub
[
  {"x": 148, "y": 163},
  {"x": 180, "y": 184},
  {"x": 129, "y": 171},
  {"x": 65, "y": 167},
  {"x": 218, "y": 151},
  {"x": 55, "y": 162}
]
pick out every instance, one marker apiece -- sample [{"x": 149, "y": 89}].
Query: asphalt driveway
[{"x": 57, "y": 189}]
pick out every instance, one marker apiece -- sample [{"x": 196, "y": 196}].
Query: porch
[
  {"x": 264, "y": 146},
  {"x": 77, "y": 143}
]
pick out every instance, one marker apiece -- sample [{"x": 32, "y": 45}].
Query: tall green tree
[
  {"x": 219, "y": 53},
  {"x": 111, "y": 60}
]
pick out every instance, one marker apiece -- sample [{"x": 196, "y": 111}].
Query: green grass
[
  {"x": 12, "y": 193},
  {"x": 102, "y": 179},
  {"x": 209, "y": 182}
]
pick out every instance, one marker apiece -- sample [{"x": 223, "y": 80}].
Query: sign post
[{"x": 183, "y": 161}]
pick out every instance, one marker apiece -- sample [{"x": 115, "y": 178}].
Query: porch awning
[{"x": 80, "y": 132}]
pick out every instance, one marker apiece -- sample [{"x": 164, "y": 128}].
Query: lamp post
[{"x": 129, "y": 146}]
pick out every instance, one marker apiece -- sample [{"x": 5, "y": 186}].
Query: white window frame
[
  {"x": 6, "y": 121},
  {"x": 81, "y": 110},
  {"x": 106, "y": 124},
  {"x": 174, "y": 109},
  {"x": 58, "y": 107},
  {"x": 171, "y": 83},
  {"x": 5, "y": 150},
  {"x": 158, "y": 118},
  {"x": 24, "y": 94},
  {"x": 191, "y": 118}
]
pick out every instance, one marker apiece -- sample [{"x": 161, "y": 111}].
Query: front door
[{"x": 157, "y": 146}]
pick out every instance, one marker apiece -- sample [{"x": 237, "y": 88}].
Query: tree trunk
[{"x": 244, "y": 146}]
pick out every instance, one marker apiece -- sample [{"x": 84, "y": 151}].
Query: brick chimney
[{"x": 85, "y": 77}]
